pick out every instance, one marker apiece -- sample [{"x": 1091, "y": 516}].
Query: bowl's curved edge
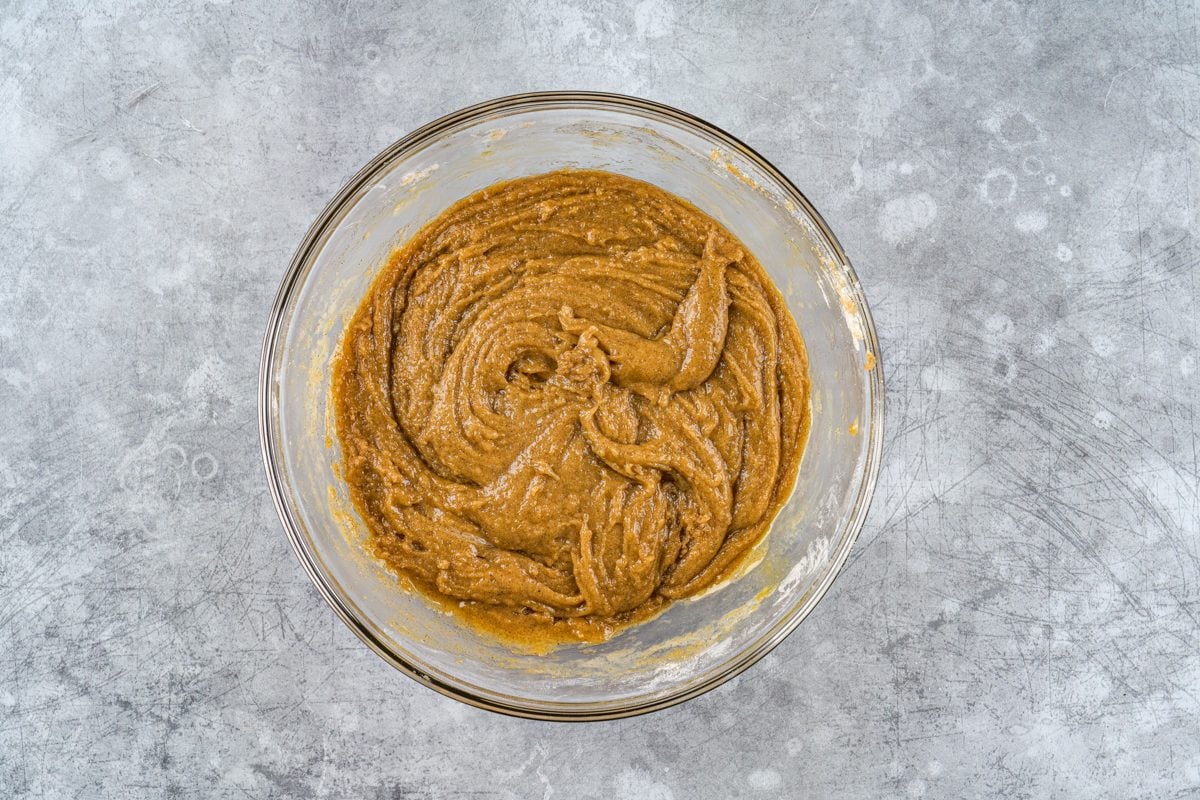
[{"x": 513, "y": 706}]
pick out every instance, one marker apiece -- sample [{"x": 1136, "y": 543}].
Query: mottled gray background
[{"x": 1014, "y": 183}]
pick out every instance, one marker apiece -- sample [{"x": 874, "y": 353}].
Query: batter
[{"x": 568, "y": 400}]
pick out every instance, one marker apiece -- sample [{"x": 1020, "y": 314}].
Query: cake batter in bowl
[{"x": 747, "y": 604}]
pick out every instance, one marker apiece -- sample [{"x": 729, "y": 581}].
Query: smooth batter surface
[{"x": 568, "y": 400}]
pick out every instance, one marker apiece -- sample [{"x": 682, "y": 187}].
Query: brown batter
[{"x": 567, "y": 401}]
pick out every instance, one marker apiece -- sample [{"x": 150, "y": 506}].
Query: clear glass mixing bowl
[{"x": 698, "y": 643}]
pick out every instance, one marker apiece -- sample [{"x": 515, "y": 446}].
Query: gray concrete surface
[{"x": 1015, "y": 184}]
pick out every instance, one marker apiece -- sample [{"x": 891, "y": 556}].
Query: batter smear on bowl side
[{"x": 569, "y": 400}]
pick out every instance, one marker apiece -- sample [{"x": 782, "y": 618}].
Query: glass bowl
[{"x": 697, "y": 643}]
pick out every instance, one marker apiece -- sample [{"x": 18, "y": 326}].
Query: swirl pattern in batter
[{"x": 568, "y": 400}]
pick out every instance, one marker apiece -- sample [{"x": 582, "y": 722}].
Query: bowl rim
[{"x": 292, "y": 282}]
